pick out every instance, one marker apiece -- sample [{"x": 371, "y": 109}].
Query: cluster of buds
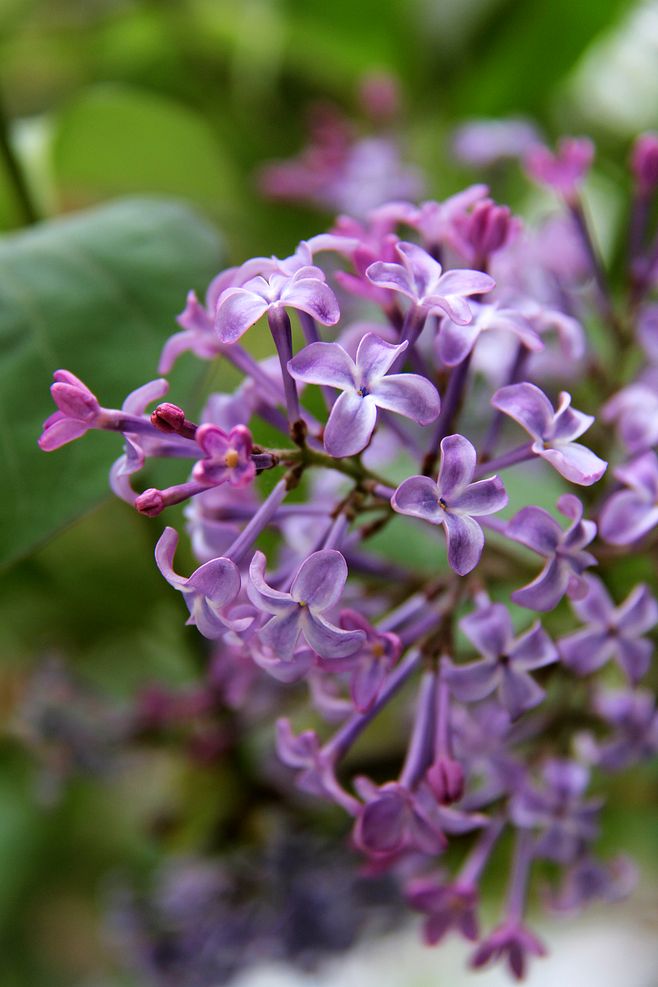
[{"x": 438, "y": 335}]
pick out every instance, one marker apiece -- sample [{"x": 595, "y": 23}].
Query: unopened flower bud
[{"x": 446, "y": 779}]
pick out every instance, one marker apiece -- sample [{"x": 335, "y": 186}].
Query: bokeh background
[{"x": 179, "y": 103}]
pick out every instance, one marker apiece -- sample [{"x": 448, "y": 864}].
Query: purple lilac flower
[
  {"x": 305, "y": 289},
  {"x": 511, "y": 941},
  {"x": 506, "y": 663},
  {"x": 208, "y": 592},
  {"x": 455, "y": 341},
  {"x": 611, "y": 632},
  {"x": 590, "y": 879},
  {"x": 635, "y": 411},
  {"x": 421, "y": 279},
  {"x": 366, "y": 386},
  {"x": 565, "y": 170},
  {"x": 315, "y": 588},
  {"x": 78, "y": 411},
  {"x": 630, "y": 514},
  {"x": 485, "y": 230},
  {"x": 440, "y": 223},
  {"x": 553, "y": 432},
  {"x": 566, "y": 559},
  {"x": 394, "y": 819},
  {"x": 453, "y": 501},
  {"x": 369, "y": 666},
  {"x": 227, "y": 456},
  {"x": 447, "y": 905},
  {"x": 632, "y": 715}
]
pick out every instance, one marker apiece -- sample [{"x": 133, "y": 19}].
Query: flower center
[
  {"x": 232, "y": 458},
  {"x": 443, "y": 503},
  {"x": 377, "y": 650},
  {"x": 363, "y": 392}
]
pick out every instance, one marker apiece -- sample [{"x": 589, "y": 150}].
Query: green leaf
[
  {"x": 96, "y": 294},
  {"x": 118, "y": 140}
]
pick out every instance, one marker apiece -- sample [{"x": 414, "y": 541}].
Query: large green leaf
[{"x": 97, "y": 294}]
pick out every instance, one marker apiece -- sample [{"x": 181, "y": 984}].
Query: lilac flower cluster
[{"x": 402, "y": 374}]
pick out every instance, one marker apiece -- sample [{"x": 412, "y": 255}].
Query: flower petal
[
  {"x": 410, "y": 395},
  {"x": 458, "y": 458},
  {"x": 635, "y": 657},
  {"x": 546, "y": 591},
  {"x": 575, "y": 462},
  {"x": 329, "y": 641},
  {"x": 314, "y": 297},
  {"x": 418, "y": 496},
  {"x": 536, "y": 529},
  {"x": 472, "y": 682},
  {"x": 320, "y": 579},
  {"x": 261, "y": 594},
  {"x": 482, "y": 497},
  {"x": 454, "y": 341},
  {"x": 638, "y": 613},
  {"x": 586, "y": 650},
  {"x": 324, "y": 363},
  {"x": 281, "y": 632},
  {"x": 375, "y": 357},
  {"x": 465, "y": 542},
  {"x": 489, "y": 629},
  {"x": 519, "y": 692},
  {"x": 351, "y": 423},
  {"x": 164, "y": 558},
  {"x": 626, "y": 517},
  {"x": 527, "y": 405}
]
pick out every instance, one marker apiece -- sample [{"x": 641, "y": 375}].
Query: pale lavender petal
[
  {"x": 546, "y": 591},
  {"x": 519, "y": 692},
  {"x": 527, "y": 405},
  {"x": 458, "y": 459},
  {"x": 454, "y": 342},
  {"x": 597, "y": 607},
  {"x": 641, "y": 474},
  {"x": 465, "y": 542},
  {"x": 375, "y": 357},
  {"x": 534, "y": 649},
  {"x": 320, "y": 580},
  {"x": 410, "y": 395},
  {"x": 59, "y": 430},
  {"x": 261, "y": 594},
  {"x": 237, "y": 311},
  {"x": 639, "y": 613},
  {"x": 569, "y": 424},
  {"x": 536, "y": 529},
  {"x": 286, "y": 670},
  {"x": 422, "y": 267},
  {"x": 381, "y": 825},
  {"x": 351, "y": 424},
  {"x": 281, "y": 632},
  {"x": 489, "y": 629},
  {"x": 217, "y": 580},
  {"x": 482, "y": 497},
  {"x": 470, "y": 683},
  {"x": 626, "y": 517},
  {"x": 586, "y": 650},
  {"x": 418, "y": 496},
  {"x": 464, "y": 282},
  {"x": 329, "y": 641},
  {"x": 296, "y": 750},
  {"x": 635, "y": 657},
  {"x": 392, "y": 276},
  {"x": 138, "y": 400},
  {"x": 324, "y": 363},
  {"x": 575, "y": 462},
  {"x": 366, "y": 682},
  {"x": 164, "y": 557},
  {"x": 454, "y": 306},
  {"x": 314, "y": 297}
]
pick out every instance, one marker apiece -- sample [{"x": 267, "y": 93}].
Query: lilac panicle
[
  {"x": 316, "y": 588},
  {"x": 366, "y": 386},
  {"x": 553, "y": 432},
  {"x": 611, "y": 632},
  {"x": 453, "y": 501}
]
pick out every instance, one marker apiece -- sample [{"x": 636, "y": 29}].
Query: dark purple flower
[
  {"x": 506, "y": 664},
  {"x": 563, "y": 171},
  {"x": 208, "y": 592},
  {"x": 447, "y": 906},
  {"x": 453, "y": 501},
  {"x": 564, "y": 552},
  {"x": 611, "y": 632},
  {"x": 227, "y": 456},
  {"x": 554, "y": 432},
  {"x": 305, "y": 289},
  {"x": 630, "y": 514},
  {"x": 366, "y": 386},
  {"x": 455, "y": 341},
  {"x": 421, "y": 279},
  {"x": 511, "y": 941},
  {"x": 316, "y": 588},
  {"x": 486, "y": 229}
]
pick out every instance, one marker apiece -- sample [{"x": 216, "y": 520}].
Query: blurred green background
[{"x": 177, "y": 102}]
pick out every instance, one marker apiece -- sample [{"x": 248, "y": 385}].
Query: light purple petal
[
  {"x": 597, "y": 607},
  {"x": 418, "y": 496},
  {"x": 626, "y": 517},
  {"x": 410, "y": 395},
  {"x": 366, "y": 682},
  {"x": 351, "y": 423},
  {"x": 519, "y": 692},
  {"x": 391, "y": 276},
  {"x": 218, "y": 580},
  {"x": 238, "y": 310},
  {"x": 575, "y": 462},
  {"x": 381, "y": 825},
  {"x": 59, "y": 431},
  {"x": 314, "y": 297},
  {"x": 464, "y": 282},
  {"x": 454, "y": 342},
  {"x": 137, "y": 401},
  {"x": 546, "y": 591},
  {"x": 635, "y": 657},
  {"x": 282, "y": 632},
  {"x": 569, "y": 424},
  {"x": 164, "y": 557},
  {"x": 638, "y": 613},
  {"x": 458, "y": 459},
  {"x": 375, "y": 357},
  {"x": 536, "y": 529},
  {"x": 489, "y": 629},
  {"x": 261, "y": 594},
  {"x": 422, "y": 267},
  {"x": 534, "y": 649},
  {"x": 329, "y": 641},
  {"x": 482, "y": 497},
  {"x": 465, "y": 542},
  {"x": 454, "y": 306},
  {"x": 320, "y": 580},
  {"x": 324, "y": 363},
  {"x": 586, "y": 650},
  {"x": 527, "y": 405},
  {"x": 472, "y": 682}
]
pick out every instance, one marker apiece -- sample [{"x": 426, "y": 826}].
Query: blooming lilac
[
  {"x": 511, "y": 941},
  {"x": 316, "y": 588},
  {"x": 611, "y": 632},
  {"x": 227, "y": 456},
  {"x": 631, "y": 513},
  {"x": 553, "y": 432},
  {"x": 369, "y": 666},
  {"x": 455, "y": 341},
  {"x": 446, "y": 906},
  {"x": 453, "y": 501},
  {"x": 564, "y": 551},
  {"x": 506, "y": 663},
  {"x": 563, "y": 171},
  {"x": 421, "y": 279},
  {"x": 366, "y": 386}
]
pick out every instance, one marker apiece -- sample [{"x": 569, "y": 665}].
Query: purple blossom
[
  {"x": 208, "y": 592},
  {"x": 396, "y": 819},
  {"x": 447, "y": 906},
  {"x": 453, "y": 501},
  {"x": 635, "y": 410},
  {"x": 78, "y": 411},
  {"x": 421, "y": 279},
  {"x": 634, "y": 719},
  {"x": 563, "y": 171},
  {"x": 554, "y": 432},
  {"x": 511, "y": 941},
  {"x": 455, "y": 341},
  {"x": 306, "y": 289},
  {"x": 366, "y": 386},
  {"x": 315, "y": 588},
  {"x": 590, "y": 879},
  {"x": 611, "y": 632},
  {"x": 440, "y": 223},
  {"x": 227, "y": 456},
  {"x": 506, "y": 664},
  {"x": 563, "y": 550},
  {"x": 630, "y": 514},
  {"x": 369, "y": 666}
]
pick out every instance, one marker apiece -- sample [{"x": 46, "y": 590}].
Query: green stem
[{"x": 15, "y": 172}]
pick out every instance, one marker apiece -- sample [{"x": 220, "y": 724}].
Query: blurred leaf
[
  {"x": 116, "y": 140},
  {"x": 97, "y": 294}
]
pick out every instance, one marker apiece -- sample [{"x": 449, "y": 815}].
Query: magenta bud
[
  {"x": 151, "y": 502},
  {"x": 644, "y": 162},
  {"x": 446, "y": 779},
  {"x": 489, "y": 227}
]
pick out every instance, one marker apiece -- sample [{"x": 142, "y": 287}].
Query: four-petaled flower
[
  {"x": 316, "y": 587},
  {"x": 453, "y": 501},
  {"x": 506, "y": 663},
  {"x": 512, "y": 941},
  {"x": 629, "y": 514},
  {"x": 447, "y": 905},
  {"x": 365, "y": 387},
  {"x": 227, "y": 456},
  {"x": 394, "y": 819},
  {"x": 611, "y": 632},
  {"x": 455, "y": 341},
  {"x": 554, "y": 432},
  {"x": 421, "y": 279},
  {"x": 208, "y": 592},
  {"x": 304, "y": 289},
  {"x": 566, "y": 559}
]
